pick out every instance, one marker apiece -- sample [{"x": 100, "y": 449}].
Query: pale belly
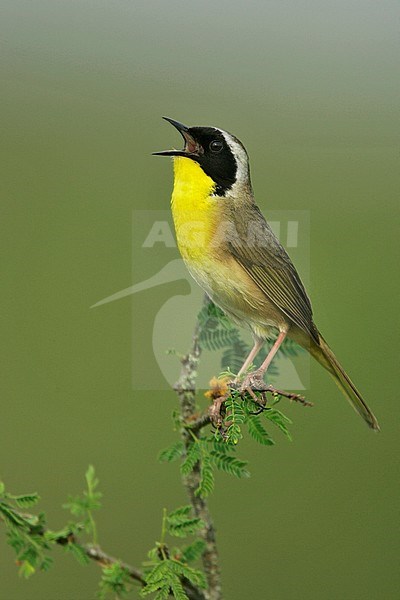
[{"x": 229, "y": 286}]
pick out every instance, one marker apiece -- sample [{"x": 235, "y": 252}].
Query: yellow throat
[{"x": 193, "y": 208}]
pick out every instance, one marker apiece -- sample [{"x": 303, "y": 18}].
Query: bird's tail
[{"x": 327, "y": 359}]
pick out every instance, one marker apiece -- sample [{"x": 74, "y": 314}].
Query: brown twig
[
  {"x": 92, "y": 551},
  {"x": 275, "y": 392},
  {"x": 95, "y": 553},
  {"x": 199, "y": 423},
  {"x": 186, "y": 391},
  {"x": 103, "y": 559},
  {"x": 185, "y": 388}
]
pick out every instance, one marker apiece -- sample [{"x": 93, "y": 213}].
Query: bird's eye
[{"x": 216, "y": 146}]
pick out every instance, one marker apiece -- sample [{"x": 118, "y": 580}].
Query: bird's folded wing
[{"x": 270, "y": 267}]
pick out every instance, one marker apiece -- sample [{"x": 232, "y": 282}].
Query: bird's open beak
[{"x": 191, "y": 149}]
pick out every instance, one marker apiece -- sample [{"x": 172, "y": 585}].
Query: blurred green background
[{"x": 310, "y": 88}]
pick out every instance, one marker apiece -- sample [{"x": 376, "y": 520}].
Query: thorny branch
[
  {"x": 98, "y": 555},
  {"x": 95, "y": 553},
  {"x": 186, "y": 390},
  {"x": 185, "y": 387},
  {"x": 192, "y": 421},
  {"x": 103, "y": 559}
]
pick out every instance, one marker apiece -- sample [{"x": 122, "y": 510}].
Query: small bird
[{"x": 233, "y": 254}]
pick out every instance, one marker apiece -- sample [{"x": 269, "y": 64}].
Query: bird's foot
[
  {"x": 254, "y": 383},
  {"x": 254, "y": 386}
]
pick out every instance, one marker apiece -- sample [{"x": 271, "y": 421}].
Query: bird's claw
[{"x": 254, "y": 382}]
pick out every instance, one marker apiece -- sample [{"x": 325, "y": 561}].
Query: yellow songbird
[{"x": 233, "y": 254}]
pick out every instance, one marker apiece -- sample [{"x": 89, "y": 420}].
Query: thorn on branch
[{"x": 185, "y": 388}]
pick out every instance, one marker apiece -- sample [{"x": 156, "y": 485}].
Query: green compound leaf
[
  {"x": 163, "y": 594},
  {"x": 193, "y": 551},
  {"x": 235, "y": 417},
  {"x": 92, "y": 481},
  {"x": 280, "y": 420},
  {"x": 234, "y": 412},
  {"x": 12, "y": 517},
  {"x": 195, "y": 576},
  {"x": 47, "y": 562},
  {"x": 26, "y": 569},
  {"x": 212, "y": 315},
  {"x": 180, "y": 524},
  {"x": 26, "y": 500},
  {"x": 177, "y": 590},
  {"x": 167, "y": 576},
  {"x": 179, "y": 513},
  {"x": 172, "y": 452},
  {"x": 158, "y": 578},
  {"x": 219, "y": 444},
  {"x": 115, "y": 580},
  {"x": 215, "y": 339},
  {"x": 229, "y": 464},
  {"x": 193, "y": 455},
  {"x": 257, "y": 431},
  {"x": 16, "y": 540},
  {"x": 206, "y": 484},
  {"x": 78, "y": 552}
]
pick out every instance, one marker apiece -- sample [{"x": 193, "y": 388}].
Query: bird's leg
[
  {"x": 255, "y": 350},
  {"x": 255, "y": 381},
  {"x": 279, "y": 340}
]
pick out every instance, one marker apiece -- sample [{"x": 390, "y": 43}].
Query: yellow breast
[
  {"x": 199, "y": 223},
  {"x": 194, "y": 210}
]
